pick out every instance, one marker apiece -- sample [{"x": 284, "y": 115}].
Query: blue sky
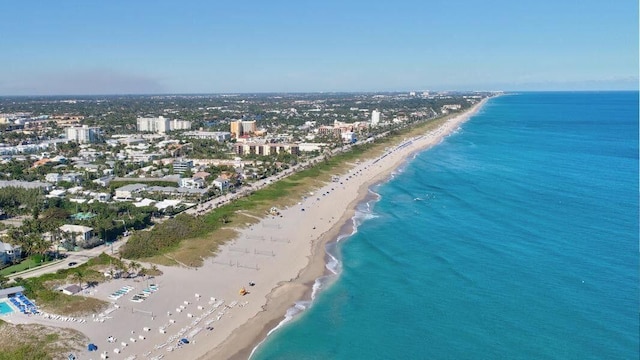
[{"x": 91, "y": 47}]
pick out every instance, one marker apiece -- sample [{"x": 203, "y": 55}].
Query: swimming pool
[{"x": 5, "y": 309}]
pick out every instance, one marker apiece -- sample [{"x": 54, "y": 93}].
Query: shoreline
[
  {"x": 242, "y": 346},
  {"x": 279, "y": 259}
]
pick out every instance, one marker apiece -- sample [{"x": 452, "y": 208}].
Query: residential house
[
  {"x": 104, "y": 181},
  {"x": 9, "y": 253},
  {"x": 80, "y": 233},
  {"x": 192, "y": 183},
  {"x": 126, "y": 192},
  {"x": 221, "y": 183},
  {"x": 83, "y": 235},
  {"x": 53, "y": 177}
]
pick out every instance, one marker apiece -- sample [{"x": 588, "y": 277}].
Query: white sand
[{"x": 282, "y": 255}]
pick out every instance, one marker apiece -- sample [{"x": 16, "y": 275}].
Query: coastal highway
[{"x": 78, "y": 257}]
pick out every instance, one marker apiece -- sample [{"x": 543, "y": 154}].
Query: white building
[
  {"x": 159, "y": 125},
  {"x": 221, "y": 183},
  {"x": 306, "y": 147},
  {"x": 79, "y": 232},
  {"x": 82, "y": 134},
  {"x": 215, "y": 135},
  {"x": 179, "y": 125},
  {"x": 348, "y": 137},
  {"x": 192, "y": 183},
  {"x": 52, "y": 177},
  {"x": 375, "y": 117},
  {"x": 126, "y": 192}
]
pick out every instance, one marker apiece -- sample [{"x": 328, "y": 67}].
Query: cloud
[{"x": 91, "y": 82}]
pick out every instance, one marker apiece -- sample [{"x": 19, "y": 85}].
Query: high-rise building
[
  {"x": 375, "y": 117},
  {"x": 236, "y": 128},
  {"x": 159, "y": 125},
  {"x": 248, "y": 127},
  {"x": 82, "y": 134},
  {"x": 239, "y": 128},
  {"x": 179, "y": 125}
]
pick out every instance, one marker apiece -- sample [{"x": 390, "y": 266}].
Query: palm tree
[
  {"x": 134, "y": 266},
  {"x": 78, "y": 276}
]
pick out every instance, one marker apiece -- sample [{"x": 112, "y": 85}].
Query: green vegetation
[
  {"x": 26, "y": 352},
  {"x": 37, "y": 342},
  {"x": 41, "y": 288},
  {"x": 31, "y": 262}
]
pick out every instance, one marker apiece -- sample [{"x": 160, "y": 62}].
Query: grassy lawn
[{"x": 24, "y": 265}]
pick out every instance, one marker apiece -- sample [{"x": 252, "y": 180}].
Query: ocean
[{"x": 514, "y": 238}]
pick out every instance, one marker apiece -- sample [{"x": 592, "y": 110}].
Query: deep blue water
[{"x": 515, "y": 238}]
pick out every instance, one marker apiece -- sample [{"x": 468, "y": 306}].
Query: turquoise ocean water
[{"x": 515, "y": 238}]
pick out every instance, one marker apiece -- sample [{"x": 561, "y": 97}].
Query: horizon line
[{"x": 418, "y": 92}]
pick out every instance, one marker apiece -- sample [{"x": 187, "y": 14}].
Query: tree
[
  {"x": 134, "y": 266},
  {"x": 79, "y": 277}
]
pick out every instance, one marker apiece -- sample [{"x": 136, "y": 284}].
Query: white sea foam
[{"x": 363, "y": 213}]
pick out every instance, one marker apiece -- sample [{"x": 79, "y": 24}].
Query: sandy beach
[{"x": 281, "y": 255}]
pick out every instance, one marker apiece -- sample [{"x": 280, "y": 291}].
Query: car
[{"x": 73, "y": 263}]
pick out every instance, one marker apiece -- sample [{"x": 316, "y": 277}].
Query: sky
[{"x": 83, "y": 47}]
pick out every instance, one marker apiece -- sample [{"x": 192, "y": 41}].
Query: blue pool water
[
  {"x": 516, "y": 238},
  {"x": 5, "y": 308}
]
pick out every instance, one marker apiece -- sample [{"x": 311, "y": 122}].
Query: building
[
  {"x": 179, "y": 125},
  {"x": 221, "y": 183},
  {"x": 82, "y": 134},
  {"x": 307, "y": 147},
  {"x": 126, "y": 192},
  {"x": 240, "y": 128},
  {"x": 192, "y": 183},
  {"x": 53, "y": 177},
  {"x": 248, "y": 127},
  {"x": 182, "y": 166},
  {"x": 375, "y": 117},
  {"x": 215, "y": 135},
  {"x": 348, "y": 137},
  {"x": 72, "y": 289},
  {"x": 265, "y": 149},
  {"x": 159, "y": 125},
  {"x": 26, "y": 184},
  {"x": 454, "y": 107},
  {"x": 73, "y": 177},
  {"x": 80, "y": 233},
  {"x": 12, "y": 291},
  {"x": 236, "y": 128},
  {"x": 9, "y": 253}
]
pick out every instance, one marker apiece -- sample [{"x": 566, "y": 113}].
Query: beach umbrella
[
  {"x": 184, "y": 341},
  {"x": 92, "y": 347}
]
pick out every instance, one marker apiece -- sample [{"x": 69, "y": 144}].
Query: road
[{"x": 79, "y": 257}]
